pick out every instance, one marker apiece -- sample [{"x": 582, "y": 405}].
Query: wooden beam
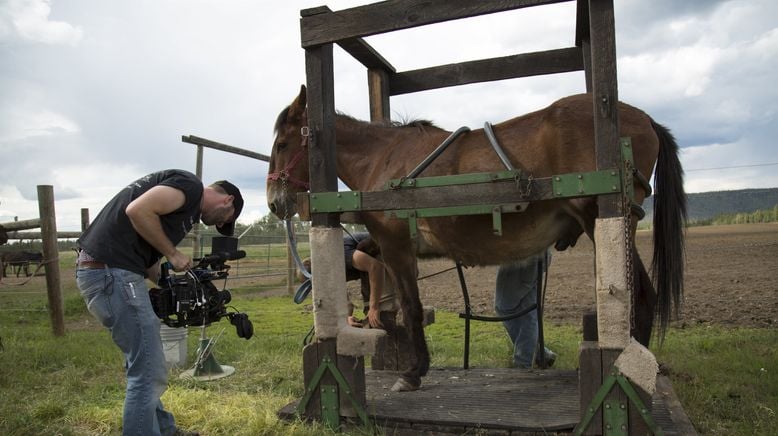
[
  {"x": 320, "y": 27},
  {"x": 500, "y": 192},
  {"x": 191, "y": 139},
  {"x": 319, "y": 70},
  {"x": 356, "y": 47},
  {"x": 39, "y": 235},
  {"x": 606, "y": 96},
  {"x": 21, "y": 225},
  {"x": 507, "y": 67},
  {"x": 365, "y": 54}
]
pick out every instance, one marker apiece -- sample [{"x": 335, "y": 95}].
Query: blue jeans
[
  {"x": 516, "y": 290},
  {"x": 119, "y": 299}
]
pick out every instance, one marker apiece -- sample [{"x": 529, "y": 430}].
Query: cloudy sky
[{"x": 96, "y": 93}]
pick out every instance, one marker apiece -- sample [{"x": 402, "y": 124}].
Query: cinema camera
[{"x": 191, "y": 299}]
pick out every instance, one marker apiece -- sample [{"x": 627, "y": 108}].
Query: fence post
[
  {"x": 197, "y": 249},
  {"x": 51, "y": 256},
  {"x": 84, "y": 219}
]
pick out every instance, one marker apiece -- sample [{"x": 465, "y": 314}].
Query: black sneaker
[{"x": 182, "y": 432}]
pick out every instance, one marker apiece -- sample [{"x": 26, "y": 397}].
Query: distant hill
[{"x": 704, "y": 205}]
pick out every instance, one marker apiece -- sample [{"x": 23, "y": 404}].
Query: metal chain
[{"x": 627, "y": 211}]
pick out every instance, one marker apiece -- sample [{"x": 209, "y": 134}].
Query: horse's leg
[
  {"x": 645, "y": 301},
  {"x": 402, "y": 264},
  {"x": 405, "y": 274}
]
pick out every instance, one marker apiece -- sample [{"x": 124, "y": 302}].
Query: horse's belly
[{"x": 471, "y": 239}]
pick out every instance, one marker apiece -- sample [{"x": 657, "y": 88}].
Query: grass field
[{"x": 727, "y": 379}]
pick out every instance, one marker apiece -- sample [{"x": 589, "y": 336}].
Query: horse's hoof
[{"x": 402, "y": 385}]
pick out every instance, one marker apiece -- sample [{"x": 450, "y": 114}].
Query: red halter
[{"x": 284, "y": 175}]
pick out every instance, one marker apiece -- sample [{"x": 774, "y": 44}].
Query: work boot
[{"x": 182, "y": 432}]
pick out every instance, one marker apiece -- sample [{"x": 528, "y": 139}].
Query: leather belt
[{"x": 91, "y": 264}]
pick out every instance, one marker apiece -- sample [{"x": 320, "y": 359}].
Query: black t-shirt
[
  {"x": 112, "y": 239},
  {"x": 350, "y": 242}
]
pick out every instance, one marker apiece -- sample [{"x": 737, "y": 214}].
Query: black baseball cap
[{"x": 227, "y": 229}]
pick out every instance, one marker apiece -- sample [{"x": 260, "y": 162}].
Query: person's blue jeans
[
  {"x": 516, "y": 290},
  {"x": 119, "y": 299}
]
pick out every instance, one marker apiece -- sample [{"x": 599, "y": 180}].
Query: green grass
[{"x": 727, "y": 379}]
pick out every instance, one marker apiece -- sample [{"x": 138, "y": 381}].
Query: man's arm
[
  {"x": 375, "y": 271},
  {"x": 144, "y": 213}
]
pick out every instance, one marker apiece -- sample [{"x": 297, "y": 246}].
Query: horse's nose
[{"x": 273, "y": 207}]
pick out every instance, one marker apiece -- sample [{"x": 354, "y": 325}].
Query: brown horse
[{"x": 556, "y": 140}]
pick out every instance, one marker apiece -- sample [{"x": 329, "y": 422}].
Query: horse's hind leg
[{"x": 644, "y": 303}]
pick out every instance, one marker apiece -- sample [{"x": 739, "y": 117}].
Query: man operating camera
[{"x": 125, "y": 243}]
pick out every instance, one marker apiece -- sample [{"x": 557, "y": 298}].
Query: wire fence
[{"x": 267, "y": 269}]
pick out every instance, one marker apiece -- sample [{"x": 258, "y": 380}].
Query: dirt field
[{"x": 731, "y": 279}]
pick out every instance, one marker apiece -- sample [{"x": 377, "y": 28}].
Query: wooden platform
[{"x": 498, "y": 401}]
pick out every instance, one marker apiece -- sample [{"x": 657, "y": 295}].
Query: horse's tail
[{"x": 669, "y": 220}]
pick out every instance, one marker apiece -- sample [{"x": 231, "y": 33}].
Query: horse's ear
[{"x": 297, "y": 108}]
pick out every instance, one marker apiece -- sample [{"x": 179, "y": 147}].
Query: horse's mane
[{"x": 418, "y": 123}]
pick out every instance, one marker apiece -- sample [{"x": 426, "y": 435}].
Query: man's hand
[
  {"x": 374, "y": 318},
  {"x": 180, "y": 261},
  {"x": 354, "y": 322}
]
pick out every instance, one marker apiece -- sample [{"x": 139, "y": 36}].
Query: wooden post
[
  {"x": 197, "y": 249},
  {"x": 613, "y": 284},
  {"x": 84, "y": 219},
  {"x": 51, "y": 256},
  {"x": 319, "y": 71},
  {"x": 378, "y": 91},
  {"x": 606, "y": 96}
]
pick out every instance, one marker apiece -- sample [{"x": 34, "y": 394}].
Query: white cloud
[
  {"x": 29, "y": 20},
  {"x": 23, "y": 123}
]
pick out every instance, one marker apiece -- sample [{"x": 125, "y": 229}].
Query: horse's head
[{"x": 288, "y": 171}]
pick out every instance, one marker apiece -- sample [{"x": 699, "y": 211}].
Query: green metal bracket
[
  {"x": 615, "y": 413},
  {"x": 616, "y": 418},
  {"x": 588, "y": 183},
  {"x": 456, "y": 179},
  {"x": 336, "y": 201},
  {"x": 329, "y": 395},
  {"x": 330, "y": 407},
  {"x": 495, "y": 210}
]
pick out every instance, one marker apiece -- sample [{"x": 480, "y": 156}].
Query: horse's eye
[{"x": 280, "y": 145}]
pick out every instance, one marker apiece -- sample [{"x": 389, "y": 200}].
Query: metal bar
[
  {"x": 496, "y": 146},
  {"x": 466, "y": 361},
  {"x": 435, "y": 153},
  {"x": 539, "y": 304}
]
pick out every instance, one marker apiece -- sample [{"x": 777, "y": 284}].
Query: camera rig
[{"x": 191, "y": 298}]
